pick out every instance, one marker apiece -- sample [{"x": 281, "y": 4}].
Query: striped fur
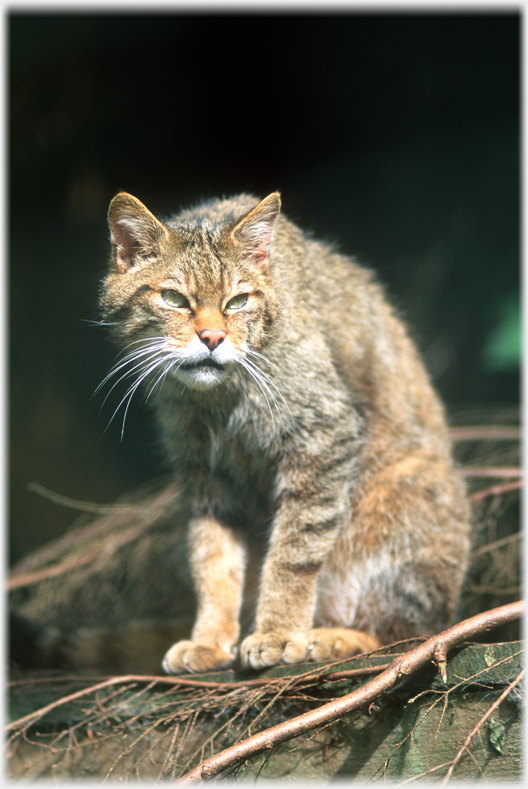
[{"x": 298, "y": 416}]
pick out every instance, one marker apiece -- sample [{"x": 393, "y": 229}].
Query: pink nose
[{"x": 212, "y": 337}]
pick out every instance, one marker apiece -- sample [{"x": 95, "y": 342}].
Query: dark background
[{"x": 395, "y": 135}]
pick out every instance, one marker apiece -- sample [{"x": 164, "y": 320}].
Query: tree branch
[
  {"x": 491, "y": 471},
  {"x": 481, "y": 722},
  {"x": 399, "y": 669},
  {"x": 75, "y": 504},
  {"x": 492, "y": 546},
  {"x": 485, "y": 432},
  {"x": 496, "y": 490},
  {"x": 306, "y": 678}
]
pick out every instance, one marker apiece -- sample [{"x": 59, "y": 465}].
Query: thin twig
[
  {"x": 75, "y": 504},
  {"x": 26, "y": 579},
  {"x": 496, "y": 490},
  {"x": 485, "y": 432},
  {"x": 144, "y": 515},
  {"x": 442, "y": 698},
  {"x": 481, "y": 722},
  {"x": 33, "y": 716},
  {"x": 498, "y": 543},
  {"x": 483, "y": 589},
  {"x": 500, "y": 472},
  {"x": 28, "y": 719},
  {"x": 228, "y": 685},
  {"x": 309, "y": 676},
  {"x": 18, "y": 579},
  {"x": 430, "y": 771},
  {"x": 398, "y": 670}
]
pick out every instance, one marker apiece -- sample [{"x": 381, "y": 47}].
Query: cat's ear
[
  {"x": 255, "y": 230},
  {"x": 135, "y": 233}
]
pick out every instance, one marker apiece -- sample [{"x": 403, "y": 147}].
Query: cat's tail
[{"x": 136, "y": 647}]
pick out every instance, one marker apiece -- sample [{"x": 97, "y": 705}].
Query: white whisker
[
  {"x": 257, "y": 355},
  {"x": 140, "y": 363},
  {"x": 133, "y": 357},
  {"x": 99, "y": 323},
  {"x": 246, "y": 364},
  {"x": 131, "y": 391},
  {"x": 268, "y": 378},
  {"x": 155, "y": 357},
  {"x": 265, "y": 385},
  {"x": 162, "y": 375}
]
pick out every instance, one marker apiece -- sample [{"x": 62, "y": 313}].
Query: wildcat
[{"x": 301, "y": 426}]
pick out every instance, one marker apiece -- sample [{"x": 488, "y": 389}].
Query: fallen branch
[
  {"x": 496, "y": 590},
  {"x": 500, "y": 472},
  {"x": 99, "y": 556},
  {"x": 142, "y": 515},
  {"x": 496, "y": 490},
  {"x": 481, "y": 722},
  {"x": 485, "y": 432},
  {"x": 400, "y": 668},
  {"x": 307, "y": 677},
  {"x": 26, "y": 579},
  {"x": 492, "y": 546},
  {"x": 75, "y": 504}
]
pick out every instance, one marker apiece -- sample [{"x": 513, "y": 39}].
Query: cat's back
[
  {"x": 329, "y": 305},
  {"x": 340, "y": 299}
]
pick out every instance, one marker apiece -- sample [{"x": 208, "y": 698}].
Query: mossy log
[{"x": 149, "y": 729}]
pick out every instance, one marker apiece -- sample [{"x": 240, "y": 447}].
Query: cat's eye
[
  {"x": 174, "y": 299},
  {"x": 237, "y": 302}
]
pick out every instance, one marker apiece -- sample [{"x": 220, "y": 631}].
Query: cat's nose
[{"x": 212, "y": 337}]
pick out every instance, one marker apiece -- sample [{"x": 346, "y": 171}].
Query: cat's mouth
[
  {"x": 204, "y": 364},
  {"x": 201, "y": 374}
]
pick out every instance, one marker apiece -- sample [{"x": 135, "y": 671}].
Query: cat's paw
[
  {"x": 336, "y": 642},
  {"x": 195, "y": 657},
  {"x": 262, "y": 650}
]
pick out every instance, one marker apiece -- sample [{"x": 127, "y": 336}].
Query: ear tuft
[
  {"x": 134, "y": 232},
  {"x": 255, "y": 230}
]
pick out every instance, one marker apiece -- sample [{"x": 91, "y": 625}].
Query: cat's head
[{"x": 190, "y": 299}]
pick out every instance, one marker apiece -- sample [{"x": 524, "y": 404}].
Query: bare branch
[
  {"x": 401, "y": 668},
  {"x": 496, "y": 490},
  {"x": 143, "y": 515},
  {"x": 500, "y": 472},
  {"x": 484, "y": 432},
  {"x": 504, "y": 590},
  {"x": 75, "y": 504},
  {"x": 26, "y": 579},
  {"x": 498, "y": 543},
  {"x": 481, "y": 722},
  {"x": 307, "y": 677}
]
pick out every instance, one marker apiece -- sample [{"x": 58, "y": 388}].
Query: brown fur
[
  {"x": 301, "y": 426},
  {"x": 336, "y": 447}
]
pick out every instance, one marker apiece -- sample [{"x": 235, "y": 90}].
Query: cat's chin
[{"x": 201, "y": 377}]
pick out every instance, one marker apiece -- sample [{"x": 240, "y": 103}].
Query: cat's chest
[
  {"x": 224, "y": 450},
  {"x": 225, "y": 443},
  {"x": 247, "y": 472}
]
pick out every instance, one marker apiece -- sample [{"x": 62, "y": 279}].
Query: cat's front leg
[
  {"x": 312, "y": 507},
  {"x": 217, "y": 557}
]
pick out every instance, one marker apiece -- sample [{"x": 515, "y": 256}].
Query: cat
[{"x": 302, "y": 429}]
